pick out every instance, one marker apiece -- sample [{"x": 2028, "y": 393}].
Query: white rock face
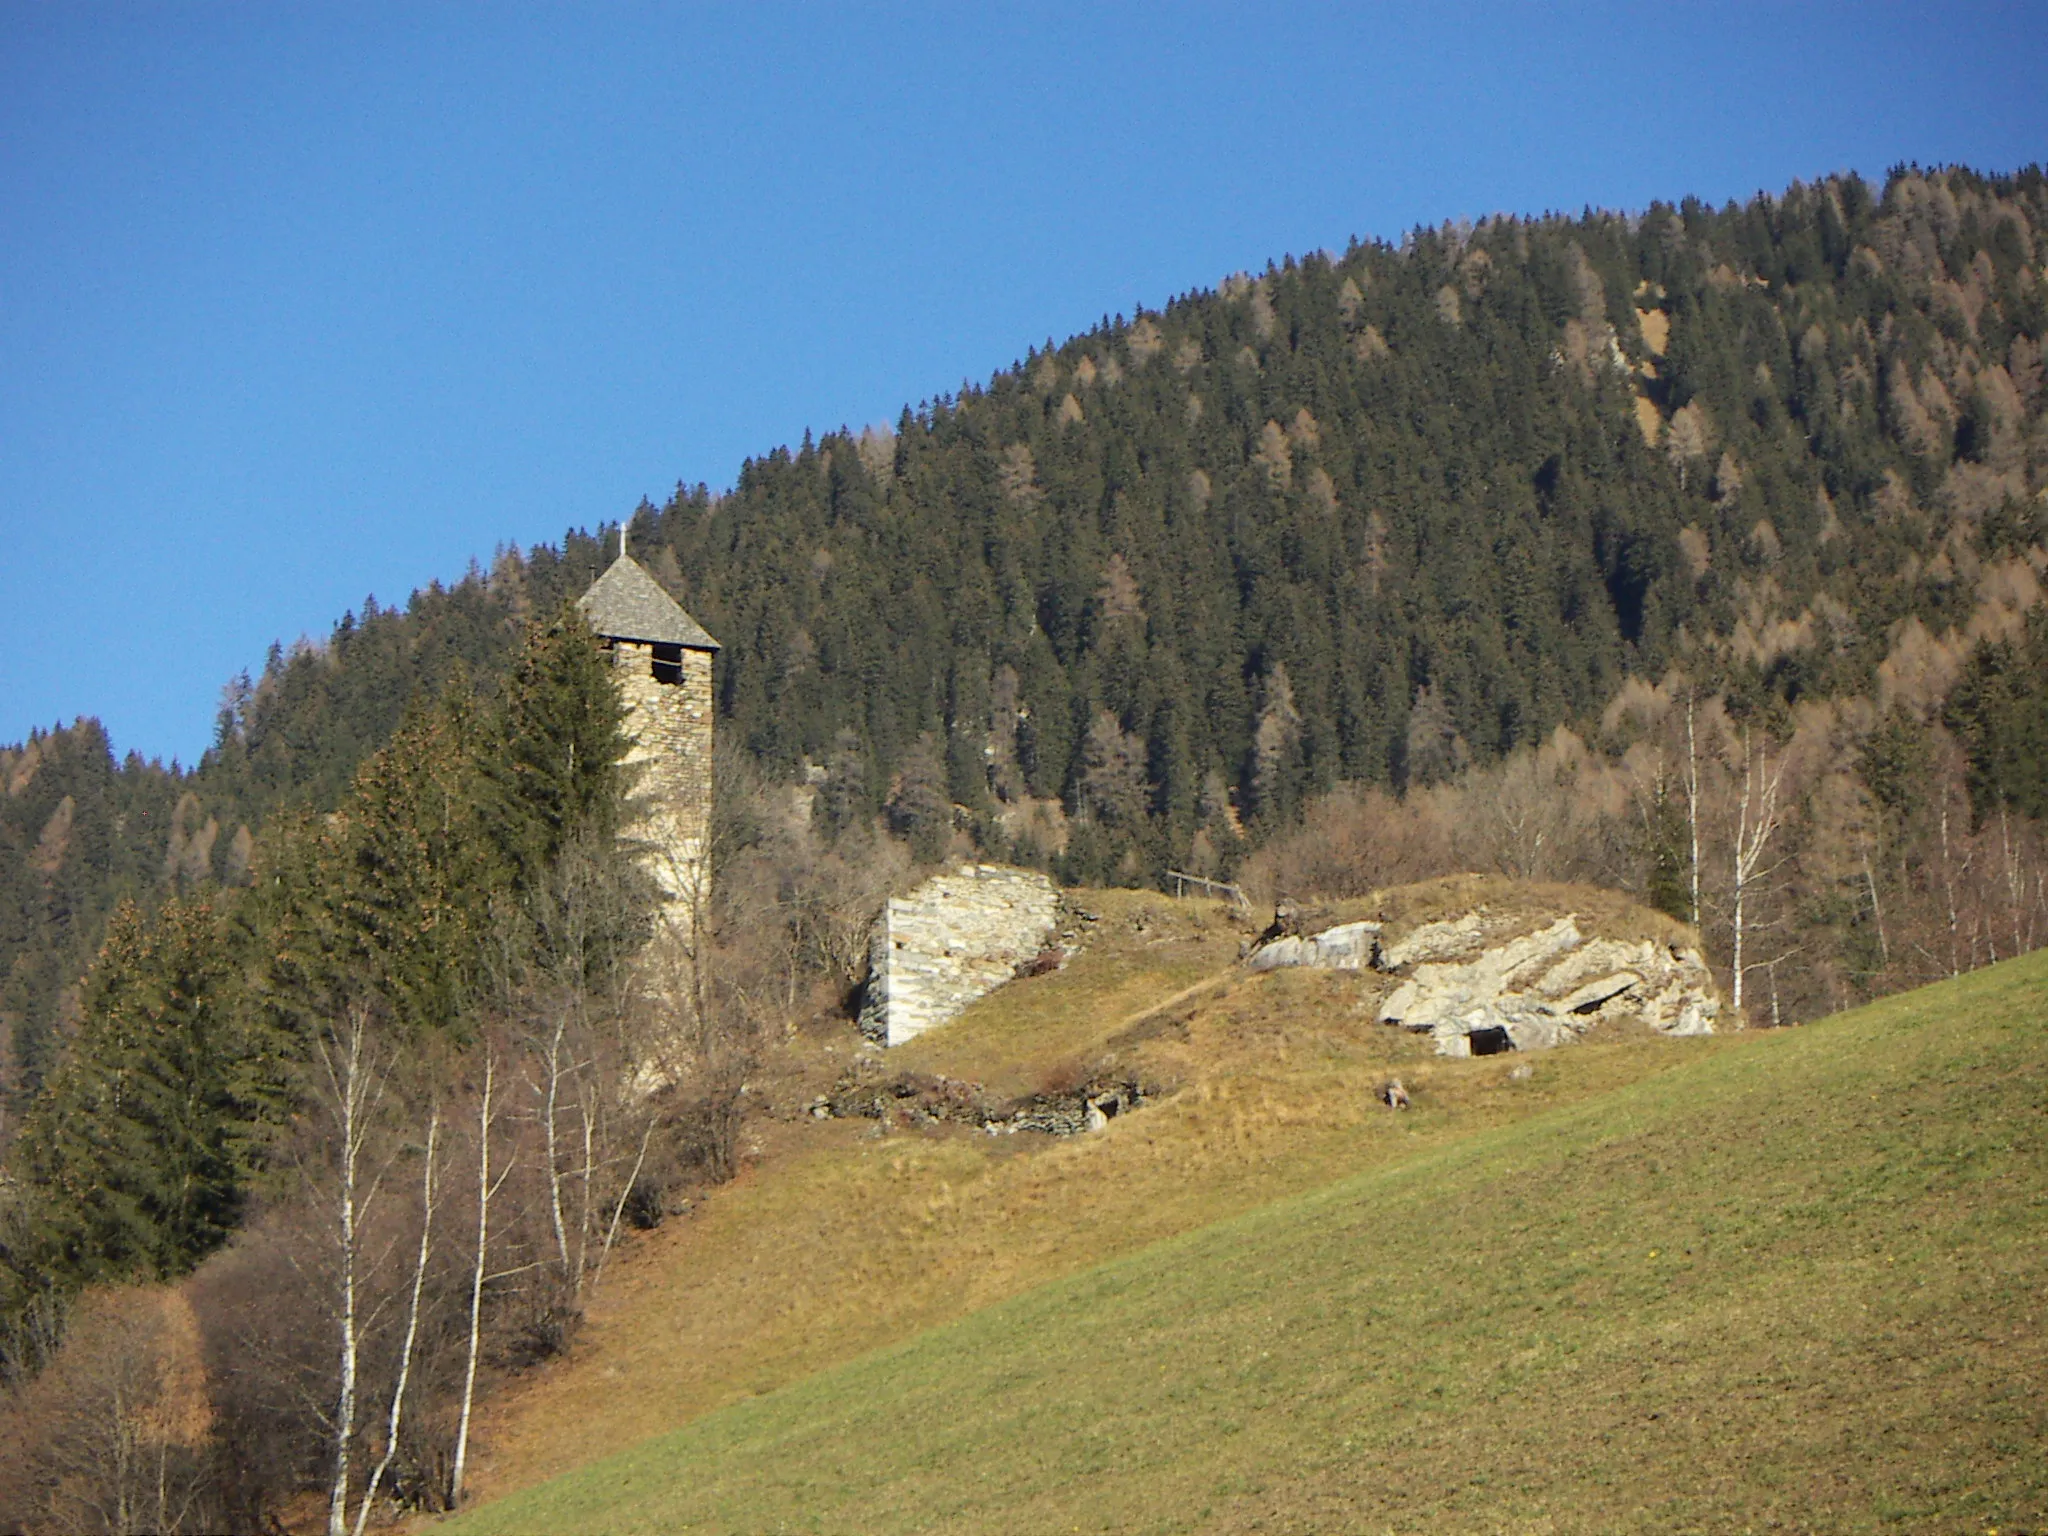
[
  {"x": 955, "y": 938},
  {"x": 1348, "y": 947},
  {"x": 1435, "y": 941},
  {"x": 1527, "y": 993}
]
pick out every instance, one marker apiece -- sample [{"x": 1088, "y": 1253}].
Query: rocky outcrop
[
  {"x": 1477, "y": 988},
  {"x": 1347, "y": 947},
  {"x": 1548, "y": 987},
  {"x": 955, "y": 938}
]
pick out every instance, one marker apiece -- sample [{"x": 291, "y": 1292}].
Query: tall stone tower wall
[{"x": 670, "y": 726}]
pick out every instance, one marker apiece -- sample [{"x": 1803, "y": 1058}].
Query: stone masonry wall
[
  {"x": 953, "y": 939},
  {"x": 670, "y": 724}
]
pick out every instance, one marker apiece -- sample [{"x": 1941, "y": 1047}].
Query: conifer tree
[
  {"x": 407, "y": 868},
  {"x": 2000, "y": 711},
  {"x": 137, "y": 1157},
  {"x": 554, "y": 769}
]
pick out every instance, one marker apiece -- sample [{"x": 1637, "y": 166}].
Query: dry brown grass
[
  {"x": 839, "y": 1238},
  {"x": 1142, "y": 948}
]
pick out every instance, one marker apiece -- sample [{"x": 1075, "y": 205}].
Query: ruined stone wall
[
  {"x": 670, "y": 726},
  {"x": 955, "y": 938}
]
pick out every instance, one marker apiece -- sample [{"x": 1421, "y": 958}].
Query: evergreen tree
[
  {"x": 843, "y": 797},
  {"x": 2000, "y": 712},
  {"x": 137, "y": 1157},
  {"x": 554, "y": 766},
  {"x": 394, "y": 897}
]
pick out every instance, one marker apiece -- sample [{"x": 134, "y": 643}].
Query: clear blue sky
[{"x": 301, "y": 303}]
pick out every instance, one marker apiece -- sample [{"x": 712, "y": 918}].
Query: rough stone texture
[
  {"x": 1435, "y": 941},
  {"x": 955, "y": 938},
  {"x": 1347, "y": 947},
  {"x": 666, "y": 685},
  {"x": 670, "y": 725},
  {"x": 1528, "y": 992}
]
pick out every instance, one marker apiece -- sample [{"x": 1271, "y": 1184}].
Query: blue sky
[{"x": 303, "y": 303}]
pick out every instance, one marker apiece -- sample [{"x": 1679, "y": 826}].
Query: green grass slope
[{"x": 1799, "y": 1284}]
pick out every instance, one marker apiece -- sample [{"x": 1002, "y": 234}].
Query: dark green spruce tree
[{"x": 135, "y": 1160}]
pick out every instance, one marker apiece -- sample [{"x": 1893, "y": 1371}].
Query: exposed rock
[
  {"x": 953, "y": 939},
  {"x": 1434, "y": 941},
  {"x": 913, "y": 1097},
  {"x": 1347, "y": 947},
  {"x": 1086, "y": 1109},
  {"x": 1548, "y": 987},
  {"x": 1478, "y": 991}
]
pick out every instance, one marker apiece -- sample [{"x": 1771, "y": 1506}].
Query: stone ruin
[
  {"x": 1477, "y": 991},
  {"x": 957, "y": 937},
  {"x": 916, "y": 1098}
]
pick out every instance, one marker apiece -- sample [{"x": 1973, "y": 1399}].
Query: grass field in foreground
[{"x": 1797, "y": 1283}]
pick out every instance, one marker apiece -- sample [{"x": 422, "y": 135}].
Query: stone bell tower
[{"x": 663, "y": 657}]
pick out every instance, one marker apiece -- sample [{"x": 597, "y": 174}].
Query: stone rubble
[{"x": 915, "y": 1098}]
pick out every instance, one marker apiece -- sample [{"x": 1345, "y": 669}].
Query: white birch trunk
[
  {"x": 1692, "y": 803},
  {"x": 554, "y": 1093},
  {"x": 1948, "y": 887},
  {"x": 583, "y": 1193},
  {"x": 1756, "y": 823},
  {"x": 351, "y": 1080},
  {"x": 484, "y": 1190},
  {"x": 395, "y": 1418},
  {"x": 1884, "y": 948},
  {"x": 619, "y": 1205}
]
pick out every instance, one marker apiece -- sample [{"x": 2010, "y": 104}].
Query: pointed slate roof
[{"x": 626, "y": 603}]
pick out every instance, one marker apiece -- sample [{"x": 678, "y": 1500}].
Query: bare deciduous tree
[
  {"x": 350, "y": 1086},
  {"x": 1758, "y": 817},
  {"x": 111, "y": 1437},
  {"x": 394, "y": 1419},
  {"x": 1690, "y": 439},
  {"x": 486, "y": 1190},
  {"x": 1113, "y": 786}
]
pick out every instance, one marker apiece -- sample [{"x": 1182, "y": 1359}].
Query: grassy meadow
[{"x": 1775, "y": 1281}]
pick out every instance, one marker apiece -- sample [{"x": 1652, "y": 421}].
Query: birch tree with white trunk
[
  {"x": 394, "y": 1419},
  {"x": 1758, "y": 818},
  {"x": 352, "y": 1083},
  {"x": 486, "y": 1189}
]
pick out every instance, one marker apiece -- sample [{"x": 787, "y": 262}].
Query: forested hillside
[
  {"x": 1367, "y": 517},
  {"x": 78, "y": 833},
  {"x": 1333, "y": 521}
]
